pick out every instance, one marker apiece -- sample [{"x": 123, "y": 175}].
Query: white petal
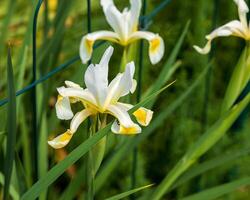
[
  {"x": 135, "y": 13},
  {"x": 79, "y": 118},
  {"x": 121, "y": 85},
  {"x": 156, "y": 44},
  {"x": 96, "y": 77},
  {"x": 121, "y": 114},
  {"x": 78, "y": 93},
  {"x": 143, "y": 116},
  {"x": 119, "y": 129},
  {"x": 243, "y": 10},
  {"x": 61, "y": 140},
  {"x": 114, "y": 17},
  {"x": 71, "y": 84},
  {"x": 232, "y": 28},
  {"x": 87, "y": 42},
  {"x": 63, "y": 108}
]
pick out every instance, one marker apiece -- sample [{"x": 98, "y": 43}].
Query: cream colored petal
[
  {"x": 121, "y": 114},
  {"x": 63, "y": 108},
  {"x": 87, "y": 42},
  {"x": 119, "y": 129},
  {"x": 122, "y": 84},
  {"x": 156, "y": 44},
  {"x": 71, "y": 84},
  {"x": 134, "y": 14},
  {"x": 61, "y": 140},
  {"x": 79, "y": 118},
  {"x": 96, "y": 77},
  {"x": 143, "y": 116},
  {"x": 232, "y": 28},
  {"x": 79, "y": 94},
  {"x": 242, "y": 10}
]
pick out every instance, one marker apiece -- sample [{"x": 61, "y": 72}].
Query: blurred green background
[{"x": 61, "y": 24}]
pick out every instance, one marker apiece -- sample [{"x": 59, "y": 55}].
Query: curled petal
[
  {"x": 63, "y": 108},
  {"x": 232, "y": 28},
  {"x": 61, "y": 140},
  {"x": 121, "y": 115},
  {"x": 156, "y": 44},
  {"x": 119, "y": 129},
  {"x": 78, "y": 94},
  {"x": 87, "y": 42},
  {"x": 143, "y": 116}
]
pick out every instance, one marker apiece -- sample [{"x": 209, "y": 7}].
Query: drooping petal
[
  {"x": 143, "y": 116},
  {"x": 63, "y": 139},
  {"x": 87, "y": 42},
  {"x": 121, "y": 85},
  {"x": 96, "y": 77},
  {"x": 242, "y": 10},
  {"x": 79, "y": 118},
  {"x": 156, "y": 44},
  {"x": 78, "y": 94},
  {"x": 63, "y": 108},
  {"x": 121, "y": 115},
  {"x": 119, "y": 129},
  {"x": 232, "y": 28}
]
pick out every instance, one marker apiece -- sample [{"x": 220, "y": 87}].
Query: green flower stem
[
  {"x": 124, "y": 60},
  {"x": 96, "y": 154}
]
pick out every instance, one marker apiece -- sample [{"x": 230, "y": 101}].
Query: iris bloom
[
  {"x": 239, "y": 28},
  {"x": 125, "y": 26},
  {"x": 100, "y": 97}
]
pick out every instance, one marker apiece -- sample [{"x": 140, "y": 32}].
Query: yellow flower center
[{"x": 154, "y": 44}]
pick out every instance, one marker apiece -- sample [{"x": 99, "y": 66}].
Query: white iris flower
[
  {"x": 125, "y": 26},
  {"x": 239, "y": 28},
  {"x": 100, "y": 97}
]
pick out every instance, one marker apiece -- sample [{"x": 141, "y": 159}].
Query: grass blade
[
  {"x": 130, "y": 192},
  {"x": 210, "y": 164},
  {"x": 11, "y": 128},
  {"x": 203, "y": 144},
  {"x": 221, "y": 190}
]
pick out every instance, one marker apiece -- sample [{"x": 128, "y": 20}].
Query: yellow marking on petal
[
  {"x": 154, "y": 44},
  {"x": 128, "y": 131},
  {"x": 65, "y": 136},
  {"x": 141, "y": 116},
  {"x": 59, "y": 98},
  {"x": 89, "y": 45}
]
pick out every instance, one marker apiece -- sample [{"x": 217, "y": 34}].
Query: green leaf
[
  {"x": 238, "y": 81},
  {"x": 108, "y": 167},
  {"x": 126, "y": 194},
  {"x": 201, "y": 146},
  {"x": 11, "y": 128},
  {"x": 219, "y": 191},
  {"x": 210, "y": 164},
  {"x": 13, "y": 192},
  {"x": 169, "y": 67},
  {"x": 62, "y": 166}
]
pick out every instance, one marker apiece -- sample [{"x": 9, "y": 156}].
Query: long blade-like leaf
[
  {"x": 203, "y": 144},
  {"x": 126, "y": 194},
  {"x": 221, "y": 190},
  {"x": 11, "y": 128}
]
